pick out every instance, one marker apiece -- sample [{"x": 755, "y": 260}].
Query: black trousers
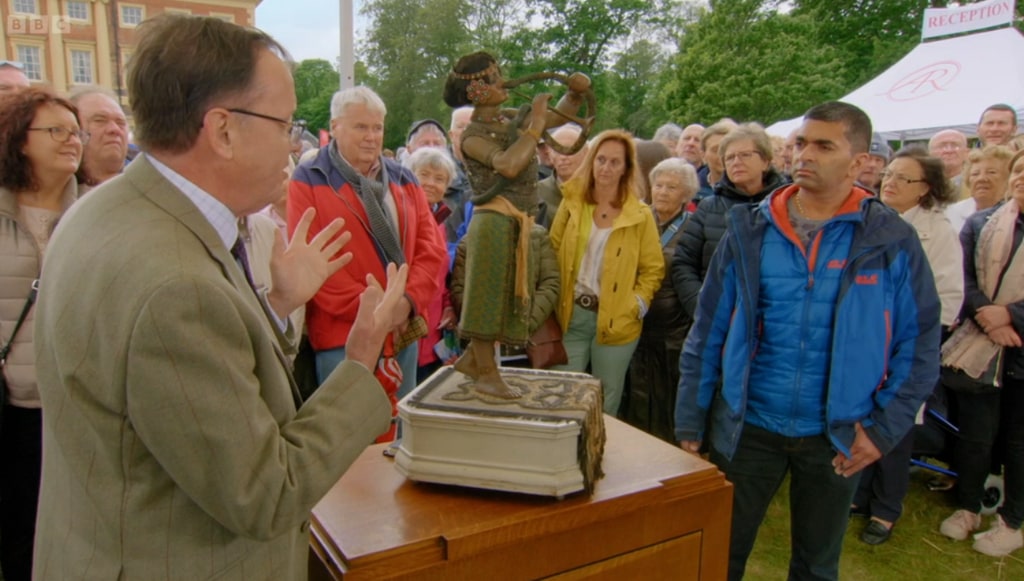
[
  {"x": 884, "y": 484},
  {"x": 980, "y": 417},
  {"x": 21, "y": 445}
]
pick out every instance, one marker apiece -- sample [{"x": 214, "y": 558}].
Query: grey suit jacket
[{"x": 171, "y": 443}]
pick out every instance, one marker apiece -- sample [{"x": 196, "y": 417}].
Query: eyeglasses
[
  {"x": 948, "y": 147},
  {"x": 298, "y": 126},
  {"x": 740, "y": 155},
  {"x": 888, "y": 175},
  {"x": 63, "y": 134}
]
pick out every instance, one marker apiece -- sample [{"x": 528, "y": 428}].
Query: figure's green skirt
[{"x": 489, "y": 308}]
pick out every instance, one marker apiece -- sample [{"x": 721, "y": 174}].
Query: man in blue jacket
[{"x": 815, "y": 341}]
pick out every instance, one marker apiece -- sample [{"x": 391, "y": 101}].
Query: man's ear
[
  {"x": 857, "y": 164},
  {"x": 219, "y": 132}
]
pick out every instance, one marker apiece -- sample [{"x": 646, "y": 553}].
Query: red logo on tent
[{"x": 924, "y": 81}]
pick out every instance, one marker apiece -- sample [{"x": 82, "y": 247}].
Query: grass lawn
[{"x": 916, "y": 550}]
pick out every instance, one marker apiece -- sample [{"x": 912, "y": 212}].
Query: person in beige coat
[
  {"x": 913, "y": 184},
  {"x": 172, "y": 444},
  {"x": 40, "y": 149}
]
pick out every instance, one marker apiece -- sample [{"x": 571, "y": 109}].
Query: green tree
[
  {"x": 410, "y": 47},
  {"x": 316, "y": 80},
  {"x": 632, "y": 81},
  {"x": 739, "y": 60}
]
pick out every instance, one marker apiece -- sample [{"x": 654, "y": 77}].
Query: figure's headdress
[{"x": 484, "y": 74}]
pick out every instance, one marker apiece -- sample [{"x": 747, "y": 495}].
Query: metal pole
[{"x": 346, "y": 60}]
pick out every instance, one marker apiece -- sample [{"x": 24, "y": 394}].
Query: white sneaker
[
  {"x": 998, "y": 541},
  {"x": 960, "y": 524}
]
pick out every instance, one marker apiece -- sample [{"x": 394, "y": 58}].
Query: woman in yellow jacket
[{"x": 610, "y": 261}]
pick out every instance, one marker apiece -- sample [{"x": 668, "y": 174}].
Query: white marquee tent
[{"x": 943, "y": 84}]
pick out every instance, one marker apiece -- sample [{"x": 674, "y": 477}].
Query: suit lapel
[{"x": 165, "y": 195}]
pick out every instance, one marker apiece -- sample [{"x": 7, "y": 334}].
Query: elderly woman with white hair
[
  {"x": 654, "y": 369},
  {"x": 435, "y": 170}
]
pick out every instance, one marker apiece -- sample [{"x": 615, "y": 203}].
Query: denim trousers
[
  {"x": 819, "y": 499},
  {"x": 328, "y": 359},
  {"x": 979, "y": 417}
]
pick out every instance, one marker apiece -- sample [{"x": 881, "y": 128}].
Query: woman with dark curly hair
[
  {"x": 914, "y": 184},
  {"x": 499, "y": 148},
  {"x": 40, "y": 150}
]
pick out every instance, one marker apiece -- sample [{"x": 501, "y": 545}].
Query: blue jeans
[
  {"x": 819, "y": 499},
  {"x": 328, "y": 359}
]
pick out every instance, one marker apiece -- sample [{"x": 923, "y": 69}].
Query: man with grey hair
[
  {"x": 688, "y": 147},
  {"x": 387, "y": 213},
  {"x": 102, "y": 117},
  {"x": 669, "y": 135},
  {"x": 549, "y": 189},
  {"x": 12, "y": 77},
  {"x": 950, "y": 146}
]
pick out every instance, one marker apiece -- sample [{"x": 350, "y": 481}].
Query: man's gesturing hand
[
  {"x": 300, "y": 269},
  {"x": 375, "y": 317}
]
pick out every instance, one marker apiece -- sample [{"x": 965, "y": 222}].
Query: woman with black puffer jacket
[{"x": 749, "y": 177}]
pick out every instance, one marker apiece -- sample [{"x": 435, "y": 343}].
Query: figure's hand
[
  {"x": 691, "y": 446},
  {"x": 1005, "y": 336},
  {"x": 992, "y": 317},
  {"x": 375, "y": 318},
  {"x": 299, "y": 270},
  {"x": 862, "y": 453},
  {"x": 578, "y": 82},
  {"x": 538, "y": 115}
]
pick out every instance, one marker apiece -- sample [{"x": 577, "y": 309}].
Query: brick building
[{"x": 64, "y": 43}]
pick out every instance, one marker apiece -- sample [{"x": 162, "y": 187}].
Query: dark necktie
[{"x": 242, "y": 257}]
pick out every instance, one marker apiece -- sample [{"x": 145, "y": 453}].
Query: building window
[
  {"x": 26, "y": 7},
  {"x": 32, "y": 57},
  {"x": 131, "y": 15},
  {"x": 78, "y": 10},
  {"x": 81, "y": 67}
]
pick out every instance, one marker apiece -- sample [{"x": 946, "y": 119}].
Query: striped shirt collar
[{"x": 216, "y": 213}]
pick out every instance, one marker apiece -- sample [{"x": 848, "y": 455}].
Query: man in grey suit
[{"x": 173, "y": 447}]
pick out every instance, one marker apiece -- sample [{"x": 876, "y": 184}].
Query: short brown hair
[
  {"x": 181, "y": 66},
  {"x": 17, "y": 111}
]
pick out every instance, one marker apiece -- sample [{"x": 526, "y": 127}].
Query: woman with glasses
[
  {"x": 609, "y": 255},
  {"x": 746, "y": 153},
  {"x": 40, "y": 150},
  {"x": 914, "y": 185}
]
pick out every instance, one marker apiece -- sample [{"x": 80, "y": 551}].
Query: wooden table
[{"x": 658, "y": 513}]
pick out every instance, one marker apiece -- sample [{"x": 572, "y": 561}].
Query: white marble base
[{"x": 499, "y": 452}]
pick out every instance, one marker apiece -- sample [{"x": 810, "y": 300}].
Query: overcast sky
[{"x": 307, "y": 28}]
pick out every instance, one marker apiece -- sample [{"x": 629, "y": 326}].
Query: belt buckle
[{"x": 588, "y": 301}]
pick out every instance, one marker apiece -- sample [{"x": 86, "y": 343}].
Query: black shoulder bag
[{"x": 6, "y": 349}]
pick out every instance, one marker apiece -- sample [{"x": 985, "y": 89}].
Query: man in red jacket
[{"x": 390, "y": 221}]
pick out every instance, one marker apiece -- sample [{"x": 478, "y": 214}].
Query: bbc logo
[{"x": 37, "y": 25}]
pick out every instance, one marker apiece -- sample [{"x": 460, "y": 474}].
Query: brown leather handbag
[{"x": 544, "y": 348}]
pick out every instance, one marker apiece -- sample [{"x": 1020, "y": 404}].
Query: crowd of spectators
[{"x": 781, "y": 304}]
